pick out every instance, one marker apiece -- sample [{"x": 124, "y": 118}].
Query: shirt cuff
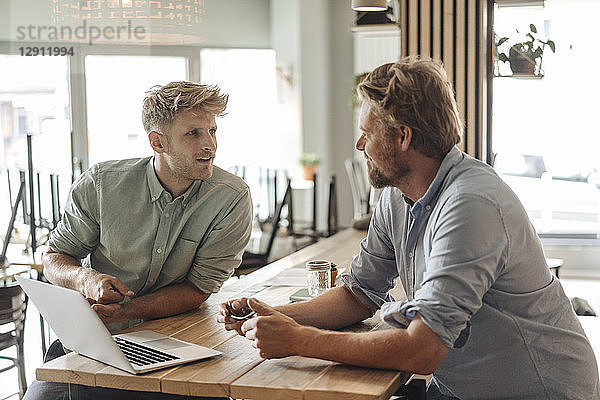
[
  {"x": 399, "y": 314},
  {"x": 371, "y": 300},
  {"x": 394, "y": 314}
]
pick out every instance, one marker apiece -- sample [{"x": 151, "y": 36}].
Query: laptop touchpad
[{"x": 166, "y": 343}]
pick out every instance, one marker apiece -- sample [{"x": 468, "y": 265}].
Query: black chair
[
  {"x": 312, "y": 232},
  {"x": 332, "y": 214},
  {"x": 263, "y": 186},
  {"x": 13, "y": 305},
  {"x": 252, "y": 261},
  {"x": 415, "y": 389}
]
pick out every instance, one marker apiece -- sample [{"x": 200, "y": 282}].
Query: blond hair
[
  {"x": 415, "y": 92},
  {"x": 163, "y": 103}
]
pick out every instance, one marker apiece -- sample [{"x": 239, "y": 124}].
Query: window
[
  {"x": 115, "y": 89},
  {"x": 257, "y": 127},
  {"x": 545, "y": 135},
  {"x": 34, "y": 98}
]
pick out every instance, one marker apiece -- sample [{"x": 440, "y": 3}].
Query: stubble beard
[
  {"x": 377, "y": 178},
  {"x": 189, "y": 170},
  {"x": 380, "y": 180},
  {"x": 396, "y": 170}
]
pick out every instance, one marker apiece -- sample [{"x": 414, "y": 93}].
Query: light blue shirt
[{"x": 473, "y": 268}]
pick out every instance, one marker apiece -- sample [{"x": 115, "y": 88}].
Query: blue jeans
[{"x": 39, "y": 390}]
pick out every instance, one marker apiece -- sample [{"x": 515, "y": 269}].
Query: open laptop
[{"x": 81, "y": 330}]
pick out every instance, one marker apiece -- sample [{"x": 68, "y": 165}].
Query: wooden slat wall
[{"x": 453, "y": 31}]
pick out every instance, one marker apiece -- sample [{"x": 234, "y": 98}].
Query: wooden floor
[{"x": 585, "y": 288}]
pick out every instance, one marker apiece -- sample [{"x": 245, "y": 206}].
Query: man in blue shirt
[{"x": 483, "y": 315}]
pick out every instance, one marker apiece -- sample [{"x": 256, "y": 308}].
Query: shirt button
[
  {"x": 159, "y": 250},
  {"x": 153, "y": 198},
  {"x": 428, "y": 207},
  {"x": 167, "y": 215},
  {"x": 410, "y": 255}
]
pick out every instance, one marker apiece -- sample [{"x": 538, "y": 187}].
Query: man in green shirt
[{"x": 151, "y": 237}]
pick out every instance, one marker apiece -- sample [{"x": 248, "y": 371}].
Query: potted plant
[
  {"x": 525, "y": 58},
  {"x": 309, "y": 162}
]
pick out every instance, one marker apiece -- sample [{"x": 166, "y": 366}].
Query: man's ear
[
  {"x": 157, "y": 142},
  {"x": 404, "y": 137}
]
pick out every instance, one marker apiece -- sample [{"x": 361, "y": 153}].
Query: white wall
[
  {"x": 312, "y": 38},
  {"x": 241, "y": 23},
  {"x": 341, "y": 83},
  {"x": 326, "y": 64}
]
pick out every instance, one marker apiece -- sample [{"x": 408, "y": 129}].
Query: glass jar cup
[{"x": 318, "y": 277}]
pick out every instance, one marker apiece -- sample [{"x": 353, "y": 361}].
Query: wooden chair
[
  {"x": 13, "y": 305},
  {"x": 360, "y": 187}
]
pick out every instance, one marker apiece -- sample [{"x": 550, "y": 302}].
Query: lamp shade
[
  {"x": 130, "y": 21},
  {"x": 369, "y": 5}
]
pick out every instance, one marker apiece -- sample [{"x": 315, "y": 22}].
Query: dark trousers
[
  {"x": 39, "y": 390},
  {"x": 433, "y": 393}
]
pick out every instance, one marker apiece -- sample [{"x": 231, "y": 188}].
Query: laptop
[{"x": 81, "y": 330}]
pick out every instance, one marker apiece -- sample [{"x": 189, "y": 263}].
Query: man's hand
[
  {"x": 103, "y": 288},
  {"x": 114, "y": 312},
  {"x": 274, "y": 334},
  {"x": 228, "y": 311}
]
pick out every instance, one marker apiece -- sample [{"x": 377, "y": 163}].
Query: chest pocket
[{"x": 178, "y": 262}]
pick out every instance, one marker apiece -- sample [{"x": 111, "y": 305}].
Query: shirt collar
[
  {"x": 451, "y": 159},
  {"x": 154, "y": 184},
  {"x": 190, "y": 192},
  {"x": 157, "y": 189}
]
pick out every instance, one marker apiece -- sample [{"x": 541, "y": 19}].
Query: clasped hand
[
  {"x": 274, "y": 334},
  {"x": 104, "y": 293}
]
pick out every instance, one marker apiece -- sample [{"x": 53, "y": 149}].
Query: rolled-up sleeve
[
  {"x": 373, "y": 271},
  {"x": 468, "y": 251},
  {"x": 78, "y": 232},
  {"x": 222, "y": 250}
]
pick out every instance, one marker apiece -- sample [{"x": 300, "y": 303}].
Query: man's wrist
[
  {"x": 304, "y": 340},
  {"x": 130, "y": 311},
  {"x": 84, "y": 277}
]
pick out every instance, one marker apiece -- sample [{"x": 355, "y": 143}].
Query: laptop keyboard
[{"x": 141, "y": 355}]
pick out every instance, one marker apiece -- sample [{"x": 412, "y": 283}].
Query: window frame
[{"x": 77, "y": 81}]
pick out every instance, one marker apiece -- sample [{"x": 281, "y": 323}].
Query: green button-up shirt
[{"x": 121, "y": 221}]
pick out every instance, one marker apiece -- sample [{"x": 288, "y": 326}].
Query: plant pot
[
  {"x": 308, "y": 172},
  {"x": 520, "y": 64}
]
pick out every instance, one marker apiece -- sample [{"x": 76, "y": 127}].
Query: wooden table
[{"x": 240, "y": 372}]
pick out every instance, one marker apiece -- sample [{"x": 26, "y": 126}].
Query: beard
[
  {"x": 185, "y": 168},
  {"x": 379, "y": 179},
  {"x": 392, "y": 172}
]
